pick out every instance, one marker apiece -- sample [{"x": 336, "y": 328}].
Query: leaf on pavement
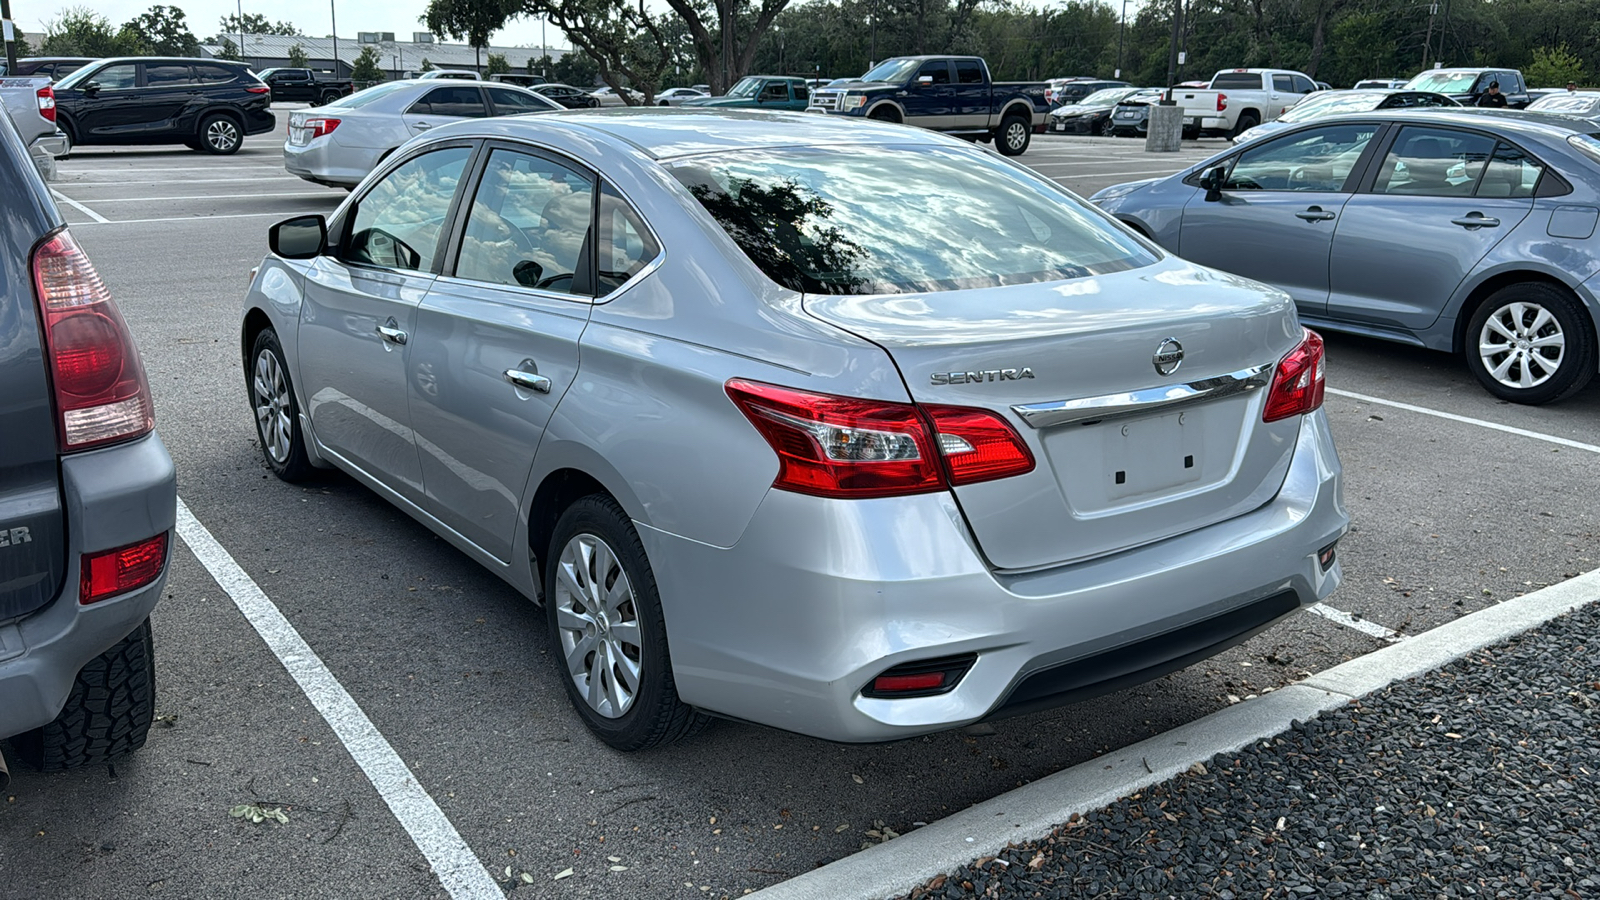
[{"x": 564, "y": 873}]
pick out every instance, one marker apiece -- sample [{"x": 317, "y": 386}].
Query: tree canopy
[
  {"x": 163, "y": 31},
  {"x": 254, "y": 23}
]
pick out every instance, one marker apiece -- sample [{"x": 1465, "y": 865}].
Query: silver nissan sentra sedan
[{"x": 841, "y": 427}]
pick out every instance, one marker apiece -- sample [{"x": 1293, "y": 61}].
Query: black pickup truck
[
  {"x": 953, "y": 94},
  {"x": 304, "y": 84}
]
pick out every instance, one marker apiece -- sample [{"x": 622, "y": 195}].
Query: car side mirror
[
  {"x": 91, "y": 88},
  {"x": 924, "y": 79},
  {"x": 1212, "y": 181},
  {"x": 303, "y": 237}
]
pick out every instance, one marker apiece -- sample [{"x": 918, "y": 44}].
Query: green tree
[
  {"x": 227, "y": 49},
  {"x": 576, "y": 69},
  {"x": 164, "y": 32},
  {"x": 426, "y": 66},
  {"x": 470, "y": 20},
  {"x": 297, "y": 57},
  {"x": 628, "y": 43},
  {"x": 366, "y": 68},
  {"x": 497, "y": 64},
  {"x": 80, "y": 31},
  {"x": 1553, "y": 67},
  {"x": 255, "y": 23}
]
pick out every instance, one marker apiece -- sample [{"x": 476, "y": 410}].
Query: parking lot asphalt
[{"x": 452, "y": 668}]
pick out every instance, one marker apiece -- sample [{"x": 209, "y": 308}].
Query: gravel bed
[{"x": 1479, "y": 780}]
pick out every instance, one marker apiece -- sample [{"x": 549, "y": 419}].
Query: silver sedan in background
[
  {"x": 338, "y": 144},
  {"x": 675, "y": 96},
  {"x": 768, "y": 445},
  {"x": 1467, "y": 231}
]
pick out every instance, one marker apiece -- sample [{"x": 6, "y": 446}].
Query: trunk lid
[{"x": 1125, "y": 455}]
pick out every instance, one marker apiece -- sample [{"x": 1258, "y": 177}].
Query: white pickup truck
[
  {"x": 31, "y": 103},
  {"x": 1237, "y": 99}
]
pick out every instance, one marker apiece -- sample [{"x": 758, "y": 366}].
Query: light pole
[
  {"x": 544, "y": 46},
  {"x": 239, "y": 4},
  {"x": 9, "y": 35},
  {"x": 1121, "y": 28},
  {"x": 333, "y": 17}
]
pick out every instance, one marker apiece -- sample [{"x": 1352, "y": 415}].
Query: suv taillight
[
  {"x": 111, "y": 572},
  {"x": 1222, "y": 102},
  {"x": 843, "y": 447},
  {"x": 101, "y": 394},
  {"x": 46, "y": 98},
  {"x": 1298, "y": 382},
  {"x": 322, "y": 126}
]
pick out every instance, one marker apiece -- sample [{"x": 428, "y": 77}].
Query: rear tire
[
  {"x": 108, "y": 713},
  {"x": 219, "y": 135},
  {"x": 1013, "y": 135},
  {"x": 328, "y": 97},
  {"x": 275, "y": 409},
  {"x": 1246, "y": 121},
  {"x": 605, "y": 619},
  {"x": 1531, "y": 332}
]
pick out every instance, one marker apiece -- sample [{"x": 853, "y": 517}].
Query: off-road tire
[
  {"x": 657, "y": 716},
  {"x": 107, "y": 714}
]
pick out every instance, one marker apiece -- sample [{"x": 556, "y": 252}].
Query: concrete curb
[{"x": 1034, "y": 810}]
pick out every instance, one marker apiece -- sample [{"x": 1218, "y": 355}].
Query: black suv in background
[
  {"x": 208, "y": 104},
  {"x": 52, "y": 67},
  {"x": 87, "y": 494},
  {"x": 567, "y": 95}
]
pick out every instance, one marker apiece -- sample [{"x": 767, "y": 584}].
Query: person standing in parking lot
[
  {"x": 1572, "y": 87},
  {"x": 1493, "y": 97}
]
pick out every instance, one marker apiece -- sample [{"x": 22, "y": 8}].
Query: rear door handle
[
  {"x": 529, "y": 380},
  {"x": 1314, "y": 214},
  {"x": 422, "y": 125},
  {"x": 1476, "y": 220},
  {"x": 392, "y": 334}
]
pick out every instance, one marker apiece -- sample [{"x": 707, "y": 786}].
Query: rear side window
[
  {"x": 160, "y": 75},
  {"x": 462, "y": 102},
  {"x": 1236, "y": 81},
  {"x": 396, "y": 224},
  {"x": 969, "y": 71},
  {"x": 208, "y": 74},
  {"x": 1433, "y": 162},
  {"x": 508, "y": 102},
  {"x": 626, "y": 245},
  {"x": 1510, "y": 173},
  {"x": 855, "y": 220}
]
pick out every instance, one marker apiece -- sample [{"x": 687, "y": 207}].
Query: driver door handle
[
  {"x": 1314, "y": 214},
  {"x": 392, "y": 335},
  {"x": 529, "y": 380},
  {"x": 1476, "y": 220}
]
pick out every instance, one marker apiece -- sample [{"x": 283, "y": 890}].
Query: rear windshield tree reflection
[{"x": 781, "y": 228}]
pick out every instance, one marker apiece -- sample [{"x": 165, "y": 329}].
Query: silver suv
[
  {"x": 839, "y": 427},
  {"x": 87, "y": 495}
]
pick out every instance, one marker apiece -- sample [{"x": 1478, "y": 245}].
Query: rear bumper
[
  {"x": 114, "y": 497},
  {"x": 324, "y": 162},
  {"x": 259, "y": 121},
  {"x": 54, "y": 145},
  {"x": 818, "y": 597}
]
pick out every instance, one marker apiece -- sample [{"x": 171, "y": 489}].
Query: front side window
[
  {"x": 461, "y": 102},
  {"x": 626, "y": 245},
  {"x": 1433, "y": 162},
  {"x": 775, "y": 90},
  {"x": 969, "y": 71},
  {"x": 856, "y": 220},
  {"x": 529, "y": 225},
  {"x": 166, "y": 75},
  {"x": 396, "y": 225},
  {"x": 1303, "y": 85},
  {"x": 1319, "y": 159},
  {"x": 938, "y": 70},
  {"x": 119, "y": 77}
]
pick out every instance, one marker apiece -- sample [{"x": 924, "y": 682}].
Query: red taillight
[
  {"x": 320, "y": 127},
  {"x": 112, "y": 572},
  {"x": 831, "y": 446},
  {"x": 47, "y": 102},
  {"x": 1298, "y": 383},
  {"x": 100, "y": 390},
  {"x": 1222, "y": 102},
  {"x": 258, "y": 89}
]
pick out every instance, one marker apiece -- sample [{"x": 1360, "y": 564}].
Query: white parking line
[
  {"x": 1496, "y": 426},
  {"x": 1361, "y": 625},
  {"x": 283, "y": 214},
  {"x": 133, "y": 181},
  {"x": 457, "y": 867},
  {"x": 259, "y": 195},
  {"x": 79, "y": 206}
]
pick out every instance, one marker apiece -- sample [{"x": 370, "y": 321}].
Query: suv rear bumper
[
  {"x": 818, "y": 597},
  {"x": 114, "y": 497}
]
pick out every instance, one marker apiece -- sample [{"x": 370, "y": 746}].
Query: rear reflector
[
  {"x": 922, "y": 678},
  {"x": 100, "y": 391},
  {"x": 1298, "y": 383},
  {"x": 111, "y": 572},
  {"x": 46, "y": 97}
]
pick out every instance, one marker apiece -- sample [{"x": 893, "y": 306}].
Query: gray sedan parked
[
  {"x": 768, "y": 445},
  {"x": 1469, "y": 231}
]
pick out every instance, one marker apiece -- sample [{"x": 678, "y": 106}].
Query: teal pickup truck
[{"x": 760, "y": 92}]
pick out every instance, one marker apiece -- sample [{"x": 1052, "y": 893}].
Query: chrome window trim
[{"x": 1087, "y": 410}]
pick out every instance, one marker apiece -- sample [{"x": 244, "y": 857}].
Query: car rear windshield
[
  {"x": 1330, "y": 104},
  {"x": 1443, "y": 82},
  {"x": 1236, "y": 81},
  {"x": 1566, "y": 103},
  {"x": 880, "y": 220},
  {"x": 363, "y": 97}
]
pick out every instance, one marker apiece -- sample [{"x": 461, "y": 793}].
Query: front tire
[
  {"x": 277, "y": 412},
  {"x": 1012, "y": 137},
  {"x": 219, "y": 135},
  {"x": 107, "y": 714},
  {"x": 605, "y": 617},
  {"x": 1531, "y": 343}
]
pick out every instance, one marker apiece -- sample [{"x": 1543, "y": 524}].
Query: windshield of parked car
[
  {"x": 1443, "y": 82},
  {"x": 1578, "y": 103},
  {"x": 1107, "y": 97},
  {"x": 893, "y": 71},
  {"x": 363, "y": 97},
  {"x": 889, "y": 220},
  {"x": 1331, "y": 104},
  {"x": 746, "y": 87}
]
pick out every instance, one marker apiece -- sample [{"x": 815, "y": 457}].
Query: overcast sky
[{"x": 310, "y": 16}]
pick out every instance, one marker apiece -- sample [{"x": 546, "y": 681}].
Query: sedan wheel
[
  {"x": 1532, "y": 344},
  {"x": 277, "y": 413},
  {"x": 605, "y": 615}
]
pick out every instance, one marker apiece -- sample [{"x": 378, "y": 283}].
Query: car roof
[
  {"x": 661, "y": 132},
  {"x": 170, "y": 59},
  {"x": 1511, "y": 121}
]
